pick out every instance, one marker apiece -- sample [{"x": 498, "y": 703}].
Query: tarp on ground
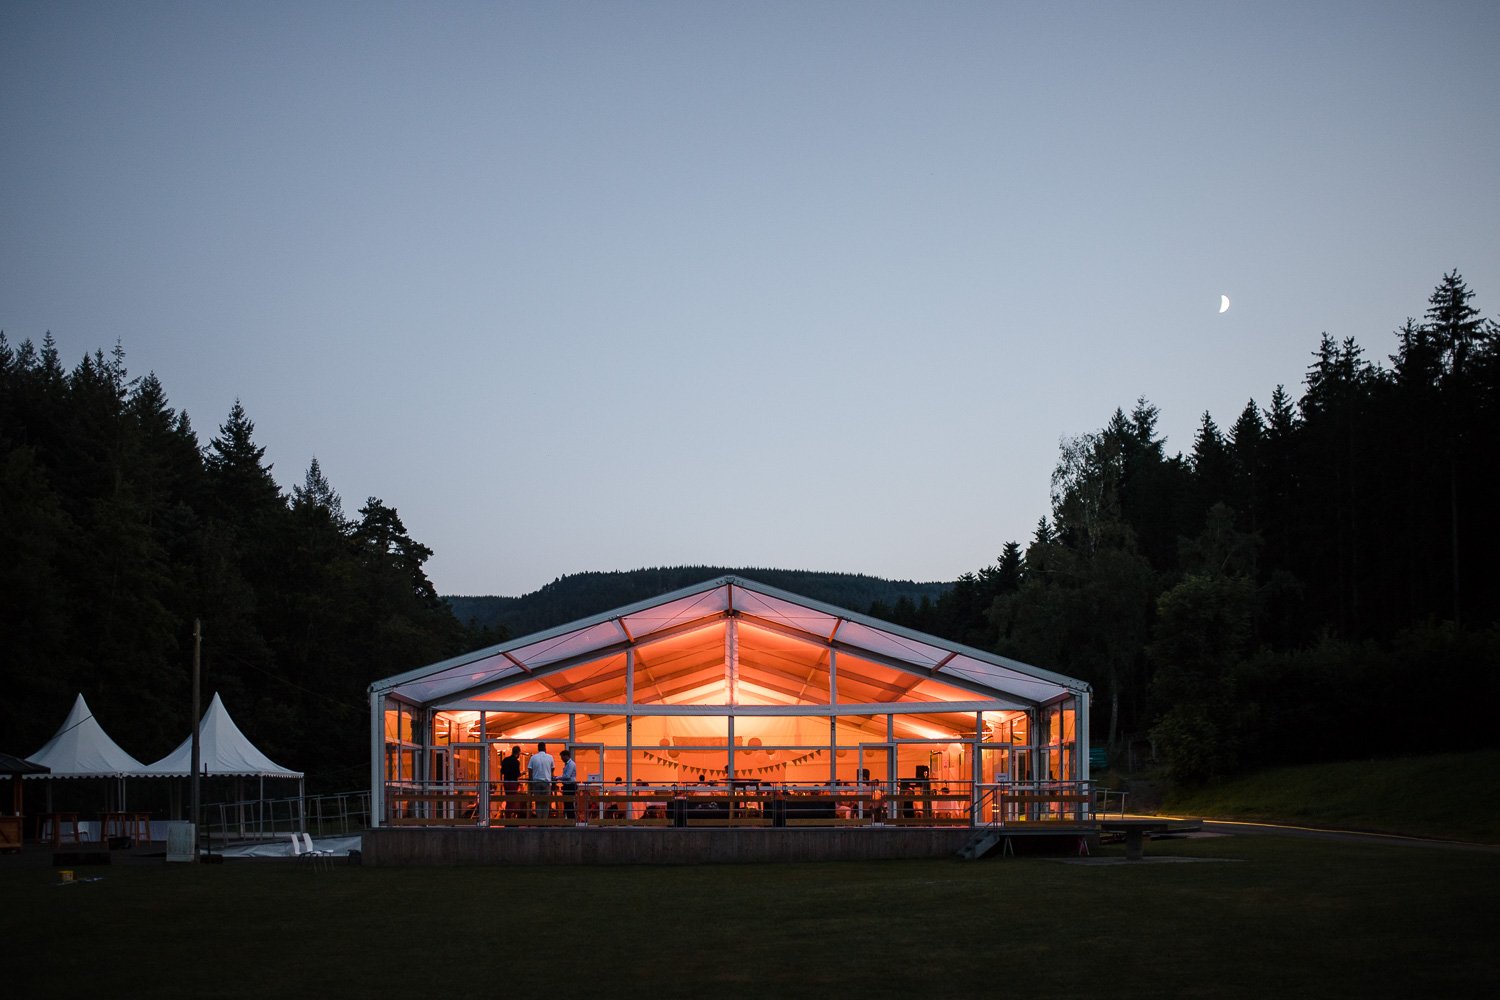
[
  {"x": 82, "y": 749},
  {"x": 336, "y": 847},
  {"x": 223, "y": 751}
]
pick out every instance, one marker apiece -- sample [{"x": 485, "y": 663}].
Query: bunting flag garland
[{"x": 719, "y": 772}]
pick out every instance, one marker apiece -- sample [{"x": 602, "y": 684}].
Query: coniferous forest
[
  {"x": 119, "y": 529},
  {"x": 1314, "y": 580}
]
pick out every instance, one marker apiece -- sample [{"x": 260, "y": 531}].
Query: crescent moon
[{"x": 1223, "y": 303}]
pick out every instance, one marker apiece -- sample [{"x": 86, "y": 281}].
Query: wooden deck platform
[{"x": 679, "y": 846}]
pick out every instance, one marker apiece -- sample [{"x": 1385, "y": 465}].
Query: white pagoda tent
[
  {"x": 82, "y": 749},
  {"x": 224, "y": 751}
]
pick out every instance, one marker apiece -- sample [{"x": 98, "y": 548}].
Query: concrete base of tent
[{"x": 671, "y": 846}]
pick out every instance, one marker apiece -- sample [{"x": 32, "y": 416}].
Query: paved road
[{"x": 1240, "y": 829}]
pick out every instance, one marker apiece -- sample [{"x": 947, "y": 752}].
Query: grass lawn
[
  {"x": 1287, "y": 918},
  {"x": 1443, "y": 796}
]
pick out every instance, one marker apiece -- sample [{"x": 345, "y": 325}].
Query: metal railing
[
  {"x": 1103, "y": 796},
  {"x": 1014, "y": 803},
  {"x": 333, "y": 814},
  {"x": 909, "y": 803}
]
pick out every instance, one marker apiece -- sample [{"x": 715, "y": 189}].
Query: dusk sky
[{"x": 596, "y": 286}]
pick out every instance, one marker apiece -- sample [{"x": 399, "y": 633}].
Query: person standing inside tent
[
  {"x": 510, "y": 774},
  {"x": 569, "y": 783},
  {"x": 539, "y": 769}
]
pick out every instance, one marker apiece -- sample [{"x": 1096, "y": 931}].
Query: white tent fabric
[
  {"x": 82, "y": 749},
  {"x": 223, "y": 751}
]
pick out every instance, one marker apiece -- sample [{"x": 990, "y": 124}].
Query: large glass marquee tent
[{"x": 729, "y": 684}]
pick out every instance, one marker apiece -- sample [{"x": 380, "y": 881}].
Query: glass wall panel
[
  {"x": 590, "y": 760},
  {"x": 946, "y": 726},
  {"x": 466, "y": 769},
  {"x": 874, "y": 780},
  {"x": 1061, "y": 754},
  {"x": 400, "y": 765},
  {"x": 606, "y": 729},
  {"x": 652, "y": 786},
  {"x": 994, "y": 764},
  {"x": 916, "y": 765},
  {"x": 772, "y": 731},
  {"x": 1007, "y": 727},
  {"x": 680, "y": 748},
  {"x": 951, "y": 763},
  {"x": 455, "y": 727},
  {"x": 853, "y": 730},
  {"x": 614, "y": 765},
  {"x": 398, "y": 723}
]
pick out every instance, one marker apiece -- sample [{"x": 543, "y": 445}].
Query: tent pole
[
  {"x": 377, "y": 758},
  {"x": 195, "y": 800},
  {"x": 630, "y": 724}
]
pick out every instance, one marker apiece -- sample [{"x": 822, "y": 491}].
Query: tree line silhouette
[
  {"x": 1315, "y": 583},
  {"x": 119, "y": 530}
]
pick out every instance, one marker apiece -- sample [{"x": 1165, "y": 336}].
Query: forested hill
[{"x": 579, "y": 595}]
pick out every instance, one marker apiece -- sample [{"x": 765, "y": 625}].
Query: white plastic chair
[{"x": 304, "y": 849}]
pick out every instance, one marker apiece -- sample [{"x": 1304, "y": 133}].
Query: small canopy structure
[
  {"x": 15, "y": 768},
  {"x": 11, "y": 766},
  {"x": 224, "y": 751},
  {"x": 82, "y": 749}
]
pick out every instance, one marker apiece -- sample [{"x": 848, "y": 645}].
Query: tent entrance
[{"x": 456, "y": 779}]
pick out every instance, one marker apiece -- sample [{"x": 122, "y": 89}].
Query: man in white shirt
[{"x": 539, "y": 770}]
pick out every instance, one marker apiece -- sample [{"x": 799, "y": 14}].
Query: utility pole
[{"x": 195, "y": 806}]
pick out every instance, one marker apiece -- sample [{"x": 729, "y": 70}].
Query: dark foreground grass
[
  {"x": 1286, "y": 918},
  {"x": 1432, "y": 796}
]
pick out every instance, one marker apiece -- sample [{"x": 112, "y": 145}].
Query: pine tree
[
  {"x": 1456, "y": 329},
  {"x": 317, "y": 494},
  {"x": 1335, "y": 462},
  {"x": 1212, "y": 468},
  {"x": 1150, "y": 485},
  {"x": 1008, "y": 571},
  {"x": 1454, "y": 324},
  {"x": 242, "y": 485},
  {"x": 1246, "y": 444}
]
